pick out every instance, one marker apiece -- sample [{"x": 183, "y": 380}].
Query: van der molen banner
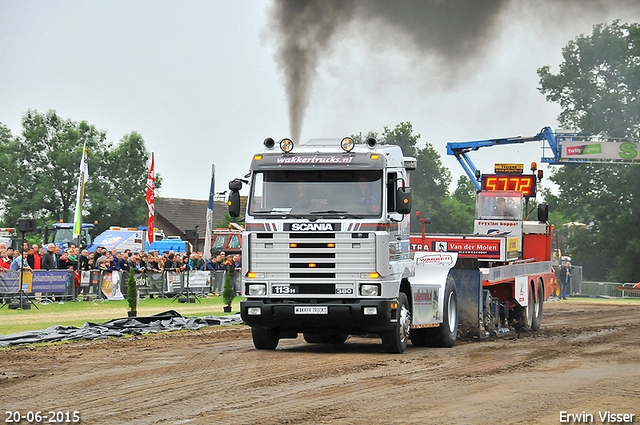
[{"x": 620, "y": 151}]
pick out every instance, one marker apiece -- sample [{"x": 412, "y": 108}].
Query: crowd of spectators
[{"x": 36, "y": 258}]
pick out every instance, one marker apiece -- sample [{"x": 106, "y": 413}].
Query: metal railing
[
  {"x": 95, "y": 284},
  {"x": 607, "y": 289}
]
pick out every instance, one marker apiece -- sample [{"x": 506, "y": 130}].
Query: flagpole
[
  {"x": 77, "y": 227},
  {"x": 209, "y": 218},
  {"x": 150, "y": 199}
]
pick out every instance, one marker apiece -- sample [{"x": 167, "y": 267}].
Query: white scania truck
[{"x": 326, "y": 249}]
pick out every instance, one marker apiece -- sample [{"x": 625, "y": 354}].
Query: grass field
[{"x": 76, "y": 313}]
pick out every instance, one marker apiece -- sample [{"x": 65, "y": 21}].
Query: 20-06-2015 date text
[{"x": 42, "y": 417}]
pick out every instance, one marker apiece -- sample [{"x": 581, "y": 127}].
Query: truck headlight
[
  {"x": 256, "y": 289},
  {"x": 254, "y": 311},
  {"x": 369, "y": 290}
]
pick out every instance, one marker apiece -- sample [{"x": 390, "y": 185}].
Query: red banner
[{"x": 151, "y": 194}]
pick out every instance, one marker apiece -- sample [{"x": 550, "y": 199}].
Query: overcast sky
[{"x": 200, "y": 80}]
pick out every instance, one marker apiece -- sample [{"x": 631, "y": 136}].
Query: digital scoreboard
[{"x": 516, "y": 182}]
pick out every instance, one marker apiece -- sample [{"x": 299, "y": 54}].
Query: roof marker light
[
  {"x": 286, "y": 145},
  {"x": 347, "y": 144}
]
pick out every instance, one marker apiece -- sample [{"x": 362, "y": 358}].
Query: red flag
[{"x": 151, "y": 195}]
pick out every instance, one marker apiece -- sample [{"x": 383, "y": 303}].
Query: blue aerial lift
[{"x": 562, "y": 147}]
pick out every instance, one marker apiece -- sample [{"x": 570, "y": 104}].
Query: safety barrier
[
  {"x": 607, "y": 289},
  {"x": 164, "y": 284},
  {"x": 61, "y": 285}
]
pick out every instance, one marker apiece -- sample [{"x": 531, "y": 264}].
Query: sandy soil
[{"x": 585, "y": 359}]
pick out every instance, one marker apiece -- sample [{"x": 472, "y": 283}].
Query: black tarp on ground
[{"x": 163, "y": 322}]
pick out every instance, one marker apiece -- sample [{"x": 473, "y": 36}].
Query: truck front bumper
[{"x": 354, "y": 317}]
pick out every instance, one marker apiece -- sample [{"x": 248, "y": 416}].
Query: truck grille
[{"x": 301, "y": 258}]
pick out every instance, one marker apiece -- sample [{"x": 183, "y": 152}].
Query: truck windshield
[
  {"x": 63, "y": 235},
  {"x": 499, "y": 205},
  {"x": 317, "y": 192}
]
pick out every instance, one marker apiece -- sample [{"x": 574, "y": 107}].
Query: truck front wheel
[
  {"x": 264, "y": 339},
  {"x": 396, "y": 340}
]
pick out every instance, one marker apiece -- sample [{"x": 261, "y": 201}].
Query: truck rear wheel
[
  {"x": 325, "y": 338},
  {"x": 396, "y": 340},
  {"x": 526, "y": 314},
  {"x": 446, "y": 334},
  {"x": 264, "y": 339},
  {"x": 537, "y": 316}
]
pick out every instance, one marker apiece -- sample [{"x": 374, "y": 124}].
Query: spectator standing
[
  {"x": 212, "y": 264},
  {"x": 170, "y": 263},
  {"x": 196, "y": 261},
  {"x": 180, "y": 263},
  {"x": 139, "y": 266},
  {"x": 160, "y": 263},
  {"x": 153, "y": 263},
  {"x": 93, "y": 264},
  {"x": 49, "y": 260},
  {"x": 237, "y": 263},
  {"x": 104, "y": 264},
  {"x": 123, "y": 262},
  {"x": 64, "y": 263},
  {"x": 84, "y": 260},
  {"x": 5, "y": 262},
  {"x": 73, "y": 257},
  {"x": 34, "y": 258},
  {"x": 20, "y": 262},
  {"x": 565, "y": 281}
]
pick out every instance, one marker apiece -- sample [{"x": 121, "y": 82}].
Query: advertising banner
[
  {"x": 37, "y": 281},
  {"x": 600, "y": 151},
  {"x": 111, "y": 286},
  {"x": 198, "y": 279}
]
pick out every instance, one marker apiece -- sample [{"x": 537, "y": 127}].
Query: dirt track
[{"x": 586, "y": 358}]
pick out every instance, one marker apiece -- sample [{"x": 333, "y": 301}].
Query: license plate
[{"x": 311, "y": 310}]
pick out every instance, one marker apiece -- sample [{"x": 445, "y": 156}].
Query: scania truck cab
[{"x": 326, "y": 242}]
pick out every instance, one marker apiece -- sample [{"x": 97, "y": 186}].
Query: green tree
[
  {"x": 429, "y": 183},
  {"x": 42, "y": 169},
  {"x": 132, "y": 292},
  {"x": 224, "y": 224},
  {"x": 598, "y": 88},
  {"x": 6, "y": 140}
]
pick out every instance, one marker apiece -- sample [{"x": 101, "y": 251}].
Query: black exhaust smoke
[
  {"x": 454, "y": 32},
  {"x": 452, "y": 29}
]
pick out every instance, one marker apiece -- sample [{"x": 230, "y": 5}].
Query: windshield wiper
[
  {"x": 341, "y": 213},
  {"x": 277, "y": 214}
]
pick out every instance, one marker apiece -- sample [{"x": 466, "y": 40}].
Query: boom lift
[{"x": 559, "y": 148}]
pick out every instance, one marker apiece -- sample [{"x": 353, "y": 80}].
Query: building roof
[{"x": 180, "y": 214}]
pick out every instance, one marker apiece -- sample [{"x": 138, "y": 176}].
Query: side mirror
[
  {"x": 235, "y": 185},
  {"x": 543, "y": 212},
  {"x": 234, "y": 198},
  {"x": 403, "y": 200}
]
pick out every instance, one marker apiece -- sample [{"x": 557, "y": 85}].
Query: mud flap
[{"x": 468, "y": 278}]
